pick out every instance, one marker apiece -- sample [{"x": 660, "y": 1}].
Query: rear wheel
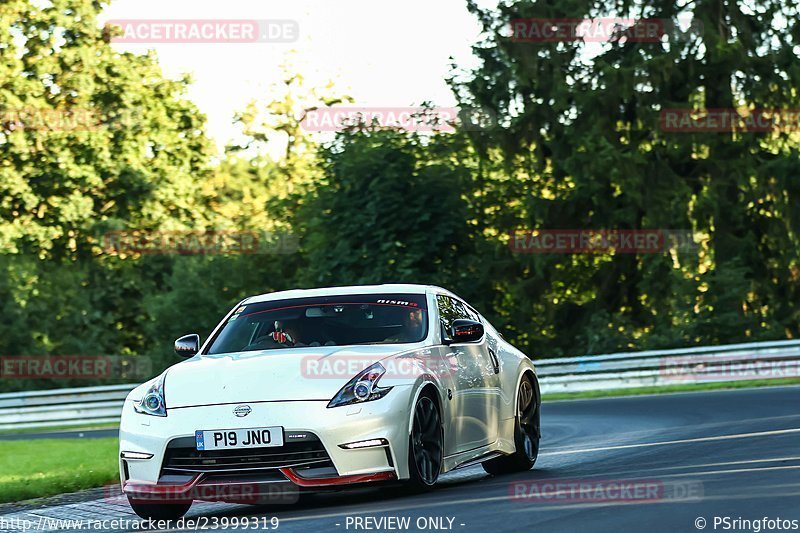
[
  {"x": 425, "y": 449},
  {"x": 526, "y": 434},
  {"x": 160, "y": 511}
]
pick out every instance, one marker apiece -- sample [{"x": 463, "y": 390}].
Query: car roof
[{"x": 350, "y": 289}]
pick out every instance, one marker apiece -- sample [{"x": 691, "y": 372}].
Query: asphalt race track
[{"x": 692, "y": 456}]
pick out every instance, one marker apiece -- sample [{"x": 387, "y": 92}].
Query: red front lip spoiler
[
  {"x": 333, "y": 481},
  {"x": 176, "y": 493}
]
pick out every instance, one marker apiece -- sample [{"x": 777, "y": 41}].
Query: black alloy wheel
[{"x": 425, "y": 446}]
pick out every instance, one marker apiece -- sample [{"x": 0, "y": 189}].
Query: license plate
[{"x": 234, "y": 439}]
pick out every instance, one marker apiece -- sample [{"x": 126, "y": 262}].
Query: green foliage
[
  {"x": 134, "y": 162},
  {"x": 583, "y": 147},
  {"x": 139, "y": 160},
  {"x": 577, "y": 145},
  {"x": 389, "y": 210}
]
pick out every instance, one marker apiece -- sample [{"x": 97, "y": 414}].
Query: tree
[
  {"x": 580, "y": 132},
  {"x": 91, "y": 138},
  {"x": 390, "y": 208}
]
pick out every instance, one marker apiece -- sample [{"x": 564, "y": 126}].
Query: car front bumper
[{"x": 385, "y": 420}]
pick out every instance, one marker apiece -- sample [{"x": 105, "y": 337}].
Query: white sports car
[{"x": 322, "y": 388}]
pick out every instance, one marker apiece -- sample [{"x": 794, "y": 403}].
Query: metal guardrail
[
  {"x": 62, "y": 407},
  {"x": 734, "y": 362},
  {"x": 659, "y": 368}
]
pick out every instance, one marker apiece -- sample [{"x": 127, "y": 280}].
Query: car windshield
[{"x": 324, "y": 321}]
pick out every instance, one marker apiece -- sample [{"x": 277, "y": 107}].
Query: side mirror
[
  {"x": 464, "y": 330},
  {"x": 188, "y": 345}
]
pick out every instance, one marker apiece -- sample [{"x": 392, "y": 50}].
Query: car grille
[{"x": 308, "y": 451}]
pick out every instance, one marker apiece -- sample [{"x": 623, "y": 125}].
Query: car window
[
  {"x": 336, "y": 320},
  {"x": 448, "y": 311},
  {"x": 451, "y": 309},
  {"x": 472, "y": 314}
]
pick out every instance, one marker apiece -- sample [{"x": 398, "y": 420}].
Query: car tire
[
  {"x": 527, "y": 433},
  {"x": 425, "y": 445},
  {"x": 160, "y": 511}
]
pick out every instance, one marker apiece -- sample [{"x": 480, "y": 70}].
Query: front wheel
[
  {"x": 425, "y": 448},
  {"x": 526, "y": 434},
  {"x": 159, "y": 511}
]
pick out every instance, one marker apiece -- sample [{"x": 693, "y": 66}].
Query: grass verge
[
  {"x": 38, "y": 468},
  {"x": 638, "y": 391}
]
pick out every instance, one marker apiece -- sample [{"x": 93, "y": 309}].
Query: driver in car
[
  {"x": 287, "y": 335},
  {"x": 413, "y": 327}
]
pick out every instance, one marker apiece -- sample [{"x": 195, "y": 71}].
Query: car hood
[{"x": 269, "y": 375}]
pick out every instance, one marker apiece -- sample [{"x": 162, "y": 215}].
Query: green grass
[
  {"x": 38, "y": 468},
  {"x": 638, "y": 391}
]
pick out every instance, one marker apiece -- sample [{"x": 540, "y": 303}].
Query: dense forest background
[{"x": 576, "y": 144}]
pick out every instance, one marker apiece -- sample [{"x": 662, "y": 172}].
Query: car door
[{"x": 474, "y": 381}]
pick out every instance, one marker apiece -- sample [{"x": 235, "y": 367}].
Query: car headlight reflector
[
  {"x": 153, "y": 401},
  {"x": 362, "y": 388}
]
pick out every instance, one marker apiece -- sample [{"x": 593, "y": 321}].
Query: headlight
[
  {"x": 153, "y": 401},
  {"x": 362, "y": 388}
]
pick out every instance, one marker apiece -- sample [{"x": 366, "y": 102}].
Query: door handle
[{"x": 495, "y": 361}]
